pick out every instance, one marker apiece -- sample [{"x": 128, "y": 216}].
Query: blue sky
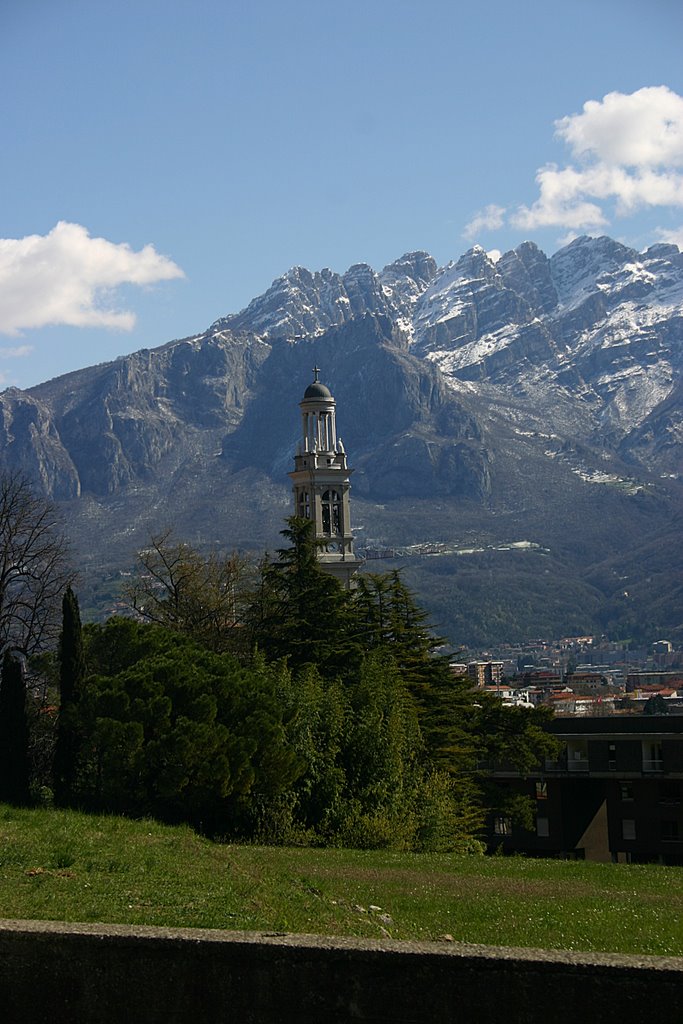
[{"x": 164, "y": 160}]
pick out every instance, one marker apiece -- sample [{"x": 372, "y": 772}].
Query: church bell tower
[{"x": 320, "y": 483}]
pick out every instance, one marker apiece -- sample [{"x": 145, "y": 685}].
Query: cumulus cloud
[
  {"x": 66, "y": 277},
  {"x": 627, "y": 154},
  {"x": 643, "y": 129},
  {"x": 628, "y": 150},
  {"x": 490, "y": 218}
]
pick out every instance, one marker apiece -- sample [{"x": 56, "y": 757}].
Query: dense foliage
[{"x": 276, "y": 706}]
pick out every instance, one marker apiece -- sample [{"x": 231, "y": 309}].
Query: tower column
[{"x": 320, "y": 483}]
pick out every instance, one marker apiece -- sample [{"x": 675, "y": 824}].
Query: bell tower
[{"x": 320, "y": 483}]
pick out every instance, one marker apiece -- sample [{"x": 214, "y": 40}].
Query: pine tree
[
  {"x": 304, "y": 614},
  {"x": 389, "y": 617},
  {"x": 14, "y": 761},
  {"x": 71, "y": 674}
]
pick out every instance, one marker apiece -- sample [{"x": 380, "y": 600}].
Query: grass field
[{"x": 65, "y": 866}]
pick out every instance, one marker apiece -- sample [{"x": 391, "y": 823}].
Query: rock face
[{"x": 482, "y": 403}]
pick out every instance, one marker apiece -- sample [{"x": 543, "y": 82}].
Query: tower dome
[{"x": 317, "y": 390}]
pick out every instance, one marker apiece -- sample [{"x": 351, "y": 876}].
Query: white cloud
[
  {"x": 643, "y": 129},
  {"x": 628, "y": 154},
  {"x": 560, "y": 203},
  {"x": 67, "y": 277},
  {"x": 490, "y": 218},
  {"x": 18, "y": 352},
  {"x": 675, "y": 236}
]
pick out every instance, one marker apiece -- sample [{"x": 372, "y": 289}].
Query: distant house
[{"x": 615, "y": 793}]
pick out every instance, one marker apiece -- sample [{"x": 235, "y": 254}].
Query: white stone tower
[{"x": 320, "y": 483}]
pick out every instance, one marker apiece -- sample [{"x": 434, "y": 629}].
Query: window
[
  {"x": 628, "y": 828},
  {"x": 541, "y": 790},
  {"x": 652, "y": 756},
  {"x": 502, "y": 826},
  {"x": 331, "y": 510},
  {"x": 542, "y": 828},
  {"x": 626, "y": 790},
  {"x": 669, "y": 831},
  {"x": 612, "y": 757},
  {"x": 304, "y": 510}
]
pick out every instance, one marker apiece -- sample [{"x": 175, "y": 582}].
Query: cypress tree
[
  {"x": 71, "y": 673},
  {"x": 14, "y": 762}
]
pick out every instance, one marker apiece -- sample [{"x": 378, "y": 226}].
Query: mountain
[{"x": 515, "y": 426}]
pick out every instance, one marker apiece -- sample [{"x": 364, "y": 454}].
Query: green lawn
[{"x": 65, "y": 866}]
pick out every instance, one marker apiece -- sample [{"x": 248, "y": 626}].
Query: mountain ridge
[{"x": 479, "y": 402}]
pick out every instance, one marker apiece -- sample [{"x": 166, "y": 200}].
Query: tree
[
  {"x": 389, "y": 616},
  {"x": 169, "y": 728},
  {"x": 302, "y": 612},
  {"x": 516, "y": 738},
  {"x": 71, "y": 675},
  {"x": 14, "y": 762},
  {"x": 204, "y": 597},
  {"x": 35, "y": 567},
  {"x": 656, "y": 705},
  {"x": 316, "y": 712},
  {"x": 383, "y": 753}
]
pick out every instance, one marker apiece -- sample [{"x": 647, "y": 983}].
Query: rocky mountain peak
[
  {"x": 662, "y": 250},
  {"x": 476, "y": 263},
  {"x": 529, "y": 401},
  {"x": 576, "y": 268},
  {"x": 526, "y": 270},
  {"x": 418, "y": 267}
]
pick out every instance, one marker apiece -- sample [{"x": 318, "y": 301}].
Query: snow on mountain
[
  {"x": 597, "y": 317},
  {"x": 483, "y": 401}
]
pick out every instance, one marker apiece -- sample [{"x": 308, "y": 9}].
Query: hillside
[{"x": 65, "y": 866}]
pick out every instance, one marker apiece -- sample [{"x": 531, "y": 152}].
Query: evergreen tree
[
  {"x": 303, "y": 614},
  {"x": 14, "y": 761},
  {"x": 389, "y": 617},
  {"x": 71, "y": 675},
  {"x": 387, "y": 614},
  {"x": 169, "y": 728}
]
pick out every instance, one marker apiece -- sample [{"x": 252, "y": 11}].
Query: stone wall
[{"x": 109, "y": 974}]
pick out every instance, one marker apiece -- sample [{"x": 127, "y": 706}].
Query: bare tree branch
[
  {"x": 35, "y": 567},
  {"x": 204, "y": 596}
]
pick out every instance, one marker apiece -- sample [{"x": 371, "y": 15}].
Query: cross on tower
[{"x": 316, "y": 371}]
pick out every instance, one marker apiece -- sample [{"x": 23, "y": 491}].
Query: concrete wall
[{"x": 108, "y": 974}]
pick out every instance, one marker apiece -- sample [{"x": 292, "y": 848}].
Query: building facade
[
  {"x": 614, "y": 794},
  {"x": 485, "y": 673},
  {"x": 321, "y": 483}
]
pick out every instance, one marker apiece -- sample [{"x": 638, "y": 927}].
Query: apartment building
[{"x": 614, "y": 794}]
